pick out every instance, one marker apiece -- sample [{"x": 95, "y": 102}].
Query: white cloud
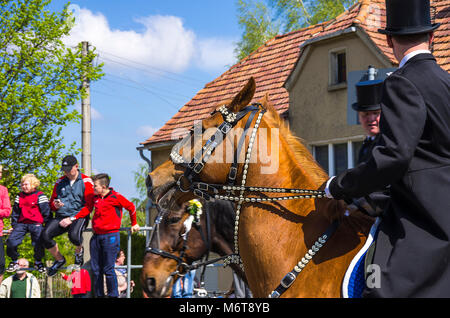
[
  {"x": 215, "y": 53},
  {"x": 163, "y": 43},
  {"x": 146, "y": 131}
]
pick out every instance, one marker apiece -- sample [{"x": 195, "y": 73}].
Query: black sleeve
[
  {"x": 15, "y": 212},
  {"x": 44, "y": 207}
]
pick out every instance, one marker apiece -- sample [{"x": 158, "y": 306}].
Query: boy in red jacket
[
  {"x": 80, "y": 282},
  {"x": 105, "y": 243},
  {"x": 31, "y": 209}
]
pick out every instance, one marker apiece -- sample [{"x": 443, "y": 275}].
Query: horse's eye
[{"x": 174, "y": 220}]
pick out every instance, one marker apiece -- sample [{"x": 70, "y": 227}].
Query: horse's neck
[
  {"x": 278, "y": 228},
  {"x": 290, "y": 173}
]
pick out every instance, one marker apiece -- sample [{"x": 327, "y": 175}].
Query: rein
[{"x": 203, "y": 190}]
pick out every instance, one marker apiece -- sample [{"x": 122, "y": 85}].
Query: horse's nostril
[{"x": 151, "y": 284}]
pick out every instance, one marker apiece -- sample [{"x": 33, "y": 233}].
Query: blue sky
[{"x": 157, "y": 55}]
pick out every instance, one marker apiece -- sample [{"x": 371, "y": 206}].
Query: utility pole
[{"x": 86, "y": 158}]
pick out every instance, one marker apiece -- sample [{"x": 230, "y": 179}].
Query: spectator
[
  {"x": 31, "y": 209},
  {"x": 105, "y": 243},
  {"x": 5, "y": 211},
  {"x": 71, "y": 193},
  {"x": 20, "y": 285},
  {"x": 184, "y": 286},
  {"x": 80, "y": 282},
  {"x": 241, "y": 289},
  {"x": 122, "y": 276}
]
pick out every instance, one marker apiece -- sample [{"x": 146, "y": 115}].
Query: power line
[
  {"x": 171, "y": 93},
  {"x": 154, "y": 93},
  {"x": 153, "y": 67},
  {"x": 149, "y": 91},
  {"x": 180, "y": 80},
  {"x": 139, "y": 88}
]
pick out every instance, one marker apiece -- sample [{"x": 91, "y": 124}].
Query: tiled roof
[
  {"x": 271, "y": 64},
  {"x": 442, "y": 34}
]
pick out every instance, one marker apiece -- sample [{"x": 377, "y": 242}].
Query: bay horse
[
  {"x": 271, "y": 235},
  {"x": 213, "y": 233}
]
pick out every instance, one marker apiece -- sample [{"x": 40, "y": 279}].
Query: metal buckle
[
  {"x": 197, "y": 170},
  {"x": 202, "y": 186},
  {"x": 202, "y": 194},
  {"x": 233, "y": 173},
  {"x": 288, "y": 280},
  {"x": 225, "y": 127},
  {"x": 274, "y": 294},
  {"x": 179, "y": 184}
]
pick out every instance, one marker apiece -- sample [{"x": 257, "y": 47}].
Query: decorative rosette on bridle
[{"x": 195, "y": 212}]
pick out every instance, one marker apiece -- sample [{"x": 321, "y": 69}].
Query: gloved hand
[{"x": 332, "y": 209}]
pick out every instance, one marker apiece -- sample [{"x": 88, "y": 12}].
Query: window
[
  {"x": 338, "y": 156},
  {"x": 338, "y": 69},
  {"x": 341, "y": 69},
  {"x": 321, "y": 156},
  {"x": 356, "y": 148}
]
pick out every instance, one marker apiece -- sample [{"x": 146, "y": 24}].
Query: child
[
  {"x": 105, "y": 243},
  {"x": 30, "y": 211},
  {"x": 80, "y": 282}
]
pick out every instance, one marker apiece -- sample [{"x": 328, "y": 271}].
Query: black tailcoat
[
  {"x": 377, "y": 200},
  {"x": 413, "y": 156},
  {"x": 366, "y": 149}
]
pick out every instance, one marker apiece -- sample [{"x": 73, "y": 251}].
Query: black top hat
[
  {"x": 408, "y": 17},
  {"x": 369, "y": 95},
  {"x": 68, "y": 162}
]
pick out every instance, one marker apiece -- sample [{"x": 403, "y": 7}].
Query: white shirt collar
[{"x": 408, "y": 56}]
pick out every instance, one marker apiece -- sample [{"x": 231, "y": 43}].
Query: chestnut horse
[
  {"x": 213, "y": 233},
  {"x": 271, "y": 237}
]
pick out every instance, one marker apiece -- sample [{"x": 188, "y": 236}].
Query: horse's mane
[
  {"x": 300, "y": 152},
  {"x": 305, "y": 160},
  {"x": 222, "y": 214}
]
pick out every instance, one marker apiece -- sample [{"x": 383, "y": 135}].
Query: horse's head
[
  {"x": 172, "y": 247},
  {"x": 207, "y": 153}
]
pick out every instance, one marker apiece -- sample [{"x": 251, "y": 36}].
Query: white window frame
[
  {"x": 332, "y": 74},
  {"x": 331, "y": 143}
]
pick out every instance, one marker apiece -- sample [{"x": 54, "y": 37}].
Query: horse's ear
[
  {"x": 265, "y": 101},
  {"x": 244, "y": 97}
]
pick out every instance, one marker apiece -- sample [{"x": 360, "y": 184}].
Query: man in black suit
[
  {"x": 368, "y": 107},
  {"x": 412, "y": 253}
]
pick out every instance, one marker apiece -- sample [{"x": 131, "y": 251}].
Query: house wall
[
  {"x": 159, "y": 156},
  {"x": 318, "y": 112}
]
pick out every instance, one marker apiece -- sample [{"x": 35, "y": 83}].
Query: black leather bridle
[{"x": 193, "y": 168}]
